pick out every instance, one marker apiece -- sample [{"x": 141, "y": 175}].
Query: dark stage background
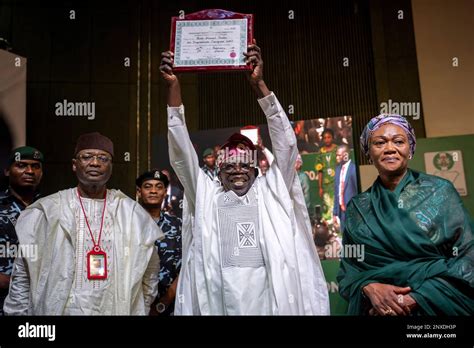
[{"x": 82, "y": 59}]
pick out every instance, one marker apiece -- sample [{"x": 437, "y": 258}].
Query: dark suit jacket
[{"x": 350, "y": 186}]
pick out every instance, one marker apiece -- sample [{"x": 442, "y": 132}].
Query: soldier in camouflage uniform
[
  {"x": 24, "y": 175},
  {"x": 151, "y": 191}
]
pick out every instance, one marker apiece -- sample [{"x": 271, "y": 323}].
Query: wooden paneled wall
[{"x": 83, "y": 60}]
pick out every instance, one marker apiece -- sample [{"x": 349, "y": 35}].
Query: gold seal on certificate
[{"x": 211, "y": 40}]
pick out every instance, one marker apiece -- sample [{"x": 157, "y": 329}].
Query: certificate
[{"x": 211, "y": 40}]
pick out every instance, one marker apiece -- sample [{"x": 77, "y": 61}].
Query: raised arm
[
  {"x": 183, "y": 157},
  {"x": 281, "y": 133}
]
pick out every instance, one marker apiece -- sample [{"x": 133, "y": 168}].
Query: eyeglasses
[
  {"x": 88, "y": 158},
  {"x": 232, "y": 167}
]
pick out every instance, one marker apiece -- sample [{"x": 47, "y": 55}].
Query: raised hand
[
  {"x": 166, "y": 67},
  {"x": 254, "y": 58}
]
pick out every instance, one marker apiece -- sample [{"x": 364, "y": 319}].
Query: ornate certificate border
[{"x": 215, "y": 18}]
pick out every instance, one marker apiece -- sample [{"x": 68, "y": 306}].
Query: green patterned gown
[
  {"x": 420, "y": 235},
  {"x": 326, "y": 163}
]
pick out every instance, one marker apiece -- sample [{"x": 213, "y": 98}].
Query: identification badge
[{"x": 96, "y": 264}]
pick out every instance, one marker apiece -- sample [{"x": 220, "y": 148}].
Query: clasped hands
[{"x": 389, "y": 299}]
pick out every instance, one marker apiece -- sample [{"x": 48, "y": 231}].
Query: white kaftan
[
  {"x": 56, "y": 283},
  {"x": 282, "y": 275}
]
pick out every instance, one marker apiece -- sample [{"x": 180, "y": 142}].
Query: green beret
[
  {"x": 25, "y": 153},
  {"x": 207, "y": 152}
]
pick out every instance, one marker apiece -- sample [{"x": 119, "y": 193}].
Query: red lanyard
[{"x": 96, "y": 245}]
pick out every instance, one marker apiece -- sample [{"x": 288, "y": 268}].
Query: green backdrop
[
  {"x": 338, "y": 304},
  {"x": 330, "y": 267},
  {"x": 464, "y": 143}
]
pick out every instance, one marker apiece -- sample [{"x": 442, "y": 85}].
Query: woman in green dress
[
  {"x": 326, "y": 168},
  {"x": 417, "y": 236}
]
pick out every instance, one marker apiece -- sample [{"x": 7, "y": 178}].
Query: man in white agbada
[
  {"x": 96, "y": 251},
  {"x": 247, "y": 243}
]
